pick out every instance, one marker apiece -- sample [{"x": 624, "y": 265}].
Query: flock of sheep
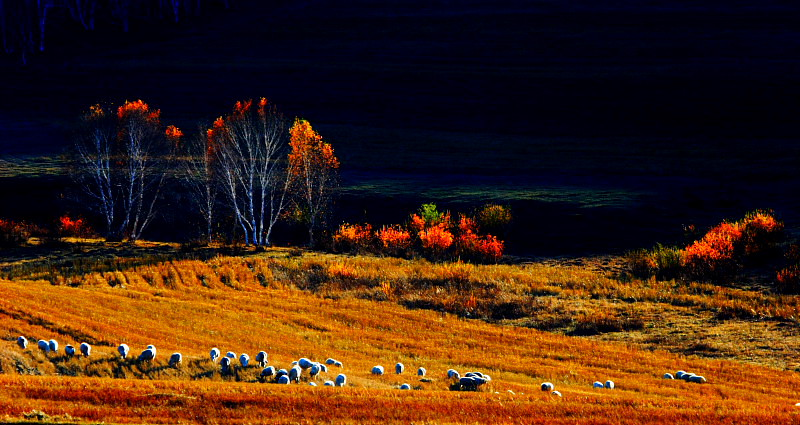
[{"x": 471, "y": 381}]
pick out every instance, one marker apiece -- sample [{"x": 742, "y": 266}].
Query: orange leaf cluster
[
  {"x": 394, "y": 238},
  {"x": 436, "y": 238},
  {"x": 138, "y": 107},
  {"x": 173, "y": 132},
  {"x": 308, "y": 150},
  {"x": 353, "y": 235}
]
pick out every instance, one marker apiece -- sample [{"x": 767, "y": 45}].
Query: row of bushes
[
  {"x": 14, "y": 233},
  {"x": 432, "y": 234},
  {"x": 719, "y": 254}
]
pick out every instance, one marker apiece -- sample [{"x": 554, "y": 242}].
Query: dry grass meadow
[{"x": 356, "y": 309}]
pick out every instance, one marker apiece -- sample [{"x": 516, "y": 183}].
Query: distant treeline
[{"x": 23, "y": 23}]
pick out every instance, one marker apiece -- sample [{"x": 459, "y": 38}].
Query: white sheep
[
  {"x": 547, "y": 386},
  {"x": 225, "y": 364},
  {"x": 679, "y": 374},
  {"x": 214, "y": 354},
  {"x": 313, "y": 384},
  {"x": 175, "y": 359},
  {"x": 152, "y": 348},
  {"x": 687, "y": 376},
  {"x": 53, "y": 345},
  {"x": 262, "y": 358},
  {"x": 148, "y": 354},
  {"x": 283, "y": 379},
  {"x": 305, "y": 363},
  {"x": 244, "y": 359},
  {"x": 597, "y": 384},
  {"x": 377, "y": 370},
  {"x": 44, "y": 346},
  {"x": 22, "y": 342},
  {"x": 556, "y": 393},
  {"x": 280, "y": 373},
  {"x": 124, "y": 350},
  {"x": 697, "y": 379},
  {"x": 405, "y": 387},
  {"x": 421, "y": 371},
  {"x": 294, "y": 373},
  {"x": 609, "y": 385},
  {"x": 315, "y": 369},
  {"x": 86, "y": 349},
  {"x": 69, "y": 350},
  {"x": 471, "y": 383},
  {"x": 267, "y": 372},
  {"x": 399, "y": 368},
  {"x": 453, "y": 374},
  {"x": 341, "y": 380},
  {"x": 668, "y": 376},
  {"x": 337, "y": 363},
  {"x": 329, "y": 383},
  {"x": 323, "y": 368},
  {"x": 328, "y": 361},
  {"x": 231, "y": 355}
]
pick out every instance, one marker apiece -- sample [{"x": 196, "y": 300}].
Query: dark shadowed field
[{"x": 605, "y": 125}]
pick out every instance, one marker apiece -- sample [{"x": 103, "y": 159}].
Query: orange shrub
[
  {"x": 436, "y": 239},
  {"x": 353, "y": 236},
  {"x": 394, "y": 238},
  {"x": 789, "y": 280},
  {"x": 490, "y": 248},
  {"x": 75, "y": 228},
  {"x": 762, "y": 231},
  {"x": 714, "y": 255}
]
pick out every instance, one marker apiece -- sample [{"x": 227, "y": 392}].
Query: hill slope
[{"x": 189, "y": 314}]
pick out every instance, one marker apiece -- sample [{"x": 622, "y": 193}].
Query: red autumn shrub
[
  {"x": 714, "y": 255},
  {"x": 13, "y": 233},
  {"x": 436, "y": 239},
  {"x": 68, "y": 227},
  {"x": 353, "y": 237},
  {"x": 394, "y": 240}
]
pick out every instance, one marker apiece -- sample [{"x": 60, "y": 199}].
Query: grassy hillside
[{"x": 254, "y": 303}]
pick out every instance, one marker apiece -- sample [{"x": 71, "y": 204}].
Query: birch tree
[
  {"x": 314, "y": 174},
  {"x": 121, "y": 163},
  {"x": 249, "y": 146},
  {"x": 201, "y": 179}
]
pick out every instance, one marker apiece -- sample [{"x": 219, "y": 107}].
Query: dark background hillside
[{"x": 605, "y": 124}]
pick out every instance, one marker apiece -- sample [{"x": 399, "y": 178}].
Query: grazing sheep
[
  {"x": 556, "y": 393},
  {"x": 328, "y": 383},
  {"x": 547, "y": 386},
  {"x": 153, "y": 348},
  {"x": 315, "y": 370},
  {"x": 86, "y": 349},
  {"x": 405, "y": 387},
  {"x": 124, "y": 350},
  {"x": 44, "y": 346},
  {"x": 399, "y": 368},
  {"x": 329, "y": 361},
  {"x": 313, "y": 384},
  {"x": 341, "y": 380},
  {"x": 53, "y": 345},
  {"x": 697, "y": 379},
  {"x": 453, "y": 374},
  {"x": 609, "y": 385},
  {"x": 244, "y": 359},
  {"x": 214, "y": 354},
  {"x": 421, "y": 371},
  {"x": 267, "y": 372},
  {"x": 305, "y": 363},
  {"x": 377, "y": 370},
  {"x": 294, "y": 373},
  {"x": 687, "y": 376},
  {"x": 668, "y": 376},
  {"x": 679, "y": 374},
  {"x": 337, "y": 363},
  {"x": 22, "y": 342},
  {"x": 471, "y": 383},
  {"x": 283, "y": 379},
  {"x": 478, "y": 374},
  {"x": 69, "y": 350},
  {"x": 231, "y": 355},
  {"x": 175, "y": 359},
  {"x": 323, "y": 368},
  {"x": 148, "y": 354},
  {"x": 597, "y": 384},
  {"x": 262, "y": 358},
  {"x": 225, "y": 364},
  {"x": 280, "y": 373}
]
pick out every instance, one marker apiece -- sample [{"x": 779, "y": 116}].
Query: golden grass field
[{"x": 353, "y": 311}]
